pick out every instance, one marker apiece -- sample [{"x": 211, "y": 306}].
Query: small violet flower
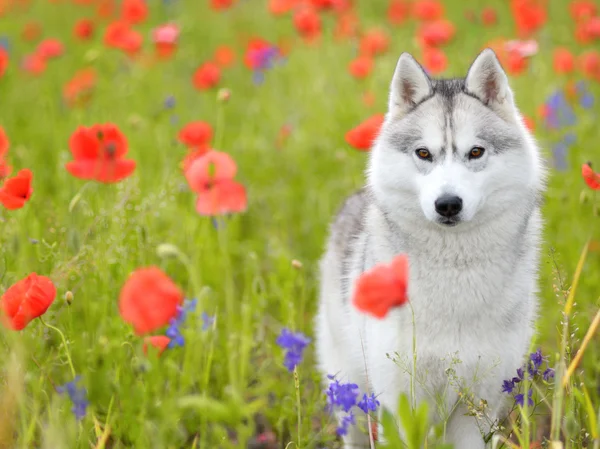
[
  {"x": 520, "y": 398},
  {"x": 78, "y": 397},
  {"x": 294, "y": 343}
]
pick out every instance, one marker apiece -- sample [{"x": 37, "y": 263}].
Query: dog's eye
[
  {"x": 424, "y": 154},
  {"x": 476, "y": 152}
]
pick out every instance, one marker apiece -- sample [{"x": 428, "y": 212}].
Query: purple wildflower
[
  {"x": 508, "y": 386},
  {"x": 169, "y": 102},
  {"x": 587, "y": 101},
  {"x": 548, "y": 374},
  {"x": 341, "y": 395},
  {"x": 78, "y": 397},
  {"x": 520, "y": 375},
  {"x": 520, "y": 398},
  {"x": 207, "y": 321},
  {"x": 368, "y": 403},
  {"x": 345, "y": 423},
  {"x": 295, "y": 343},
  {"x": 559, "y": 156},
  {"x": 174, "y": 329}
]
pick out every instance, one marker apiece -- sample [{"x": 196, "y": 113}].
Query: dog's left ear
[{"x": 487, "y": 81}]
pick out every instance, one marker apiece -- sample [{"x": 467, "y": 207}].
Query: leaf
[{"x": 390, "y": 431}]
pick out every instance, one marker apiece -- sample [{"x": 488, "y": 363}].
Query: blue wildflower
[
  {"x": 520, "y": 398},
  {"x": 169, "y": 102},
  {"x": 570, "y": 139},
  {"x": 345, "y": 423},
  {"x": 368, "y": 403},
  {"x": 341, "y": 395},
  {"x": 207, "y": 321},
  {"x": 559, "y": 154},
  {"x": 174, "y": 329},
  {"x": 548, "y": 374},
  {"x": 508, "y": 386},
  {"x": 78, "y": 397},
  {"x": 520, "y": 376},
  {"x": 295, "y": 343},
  {"x": 587, "y": 101},
  {"x": 258, "y": 77}
]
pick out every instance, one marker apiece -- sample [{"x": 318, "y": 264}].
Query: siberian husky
[{"x": 454, "y": 181}]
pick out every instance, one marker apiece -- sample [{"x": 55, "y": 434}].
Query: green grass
[{"x": 208, "y": 393}]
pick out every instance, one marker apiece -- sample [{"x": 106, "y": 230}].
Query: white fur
[{"x": 472, "y": 286}]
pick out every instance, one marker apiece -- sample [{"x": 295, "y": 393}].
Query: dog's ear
[
  {"x": 487, "y": 81},
  {"x": 410, "y": 85}
]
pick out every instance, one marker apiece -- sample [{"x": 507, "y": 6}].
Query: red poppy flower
[
  {"x": 4, "y": 143},
  {"x": 79, "y": 88},
  {"x": 165, "y": 40},
  {"x": 279, "y": 7},
  {"x": 583, "y": 9},
  {"x": 591, "y": 178},
  {"x": 361, "y": 67},
  {"x": 592, "y": 28},
  {"x": 160, "y": 342},
  {"x": 516, "y": 63},
  {"x": 3, "y": 61},
  {"x": 99, "y": 153},
  {"x": 210, "y": 168},
  {"x": 222, "y": 198},
  {"x": 489, "y": 16},
  {"x": 590, "y": 64},
  {"x": 436, "y": 32},
  {"x": 529, "y": 15},
  {"x": 382, "y": 288},
  {"x": 5, "y": 169},
  {"x": 206, "y": 76},
  {"x": 224, "y": 56},
  {"x": 34, "y": 64},
  {"x": 346, "y": 25},
  {"x": 398, "y": 11},
  {"x": 106, "y": 9},
  {"x": 134, "y": 11},
  {"x": 17, "y": 190},
  {"x": 428, "y": 9},
  {"x": 221, "y": 4},
  {"x": 255, "y": 46},
  {"x": 564, "y": 61},
  {"x": 31, "y": 31},
  {"x": 196, "y": 134},
  {"x": 529, "y": 123},
  {"x": 307, "y": 23},
  {"x": 374, "y": 42},
  {"x": 434, "y": 60},
  {"x": 50, "y": 48},
  {"x": 149, "y": 299},
  {"x": 362, "y": 136},
  {"x": 26, "y": 300},
  {"x": 83, "y": 29}
]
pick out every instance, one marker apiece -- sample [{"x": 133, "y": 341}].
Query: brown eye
[
  {"x": 424, "y": 154},
  {"x": 476, "y": 153}
]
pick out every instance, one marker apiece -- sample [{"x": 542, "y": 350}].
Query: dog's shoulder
[{"x": 349, "y": 220}]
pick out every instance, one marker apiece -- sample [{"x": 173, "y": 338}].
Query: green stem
[
  {"x": 220, "y": 125},
  {"x": 297, "y": 386},
  {"x": 64, "y": 340},
  {"x": 414, "y": 353}
]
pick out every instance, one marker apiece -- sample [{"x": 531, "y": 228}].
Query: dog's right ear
[{"x": 410, "y": 85}]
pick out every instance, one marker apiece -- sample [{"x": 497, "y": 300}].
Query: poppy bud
[{"x": 69, "y": 297}]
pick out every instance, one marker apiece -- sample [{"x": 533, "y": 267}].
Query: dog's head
[{"x": 453, "y": 152}]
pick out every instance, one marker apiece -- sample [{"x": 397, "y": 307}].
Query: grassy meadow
[{"x": 256, "y": 271}]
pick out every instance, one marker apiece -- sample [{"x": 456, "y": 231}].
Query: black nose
[{"x": 448, "y": 205}]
